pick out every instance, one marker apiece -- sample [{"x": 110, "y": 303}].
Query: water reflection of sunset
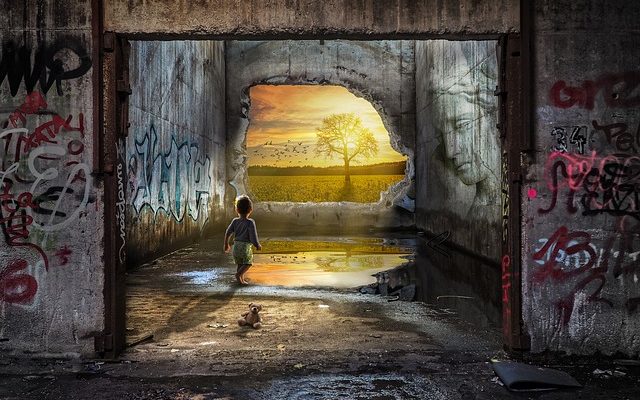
[
  {"x": 284, "y": 118},
  {"x": 320, "y": 269}
]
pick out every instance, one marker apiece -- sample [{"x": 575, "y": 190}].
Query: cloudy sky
[{"x": 283, "y": 122}]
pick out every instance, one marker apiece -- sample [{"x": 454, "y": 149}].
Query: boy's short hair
[{"x": 243, "y": 204}]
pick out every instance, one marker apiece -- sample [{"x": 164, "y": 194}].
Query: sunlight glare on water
[{"x": 337, "y": 264}]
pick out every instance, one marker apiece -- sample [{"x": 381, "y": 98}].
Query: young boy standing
[{"x": 243, "y": 230}]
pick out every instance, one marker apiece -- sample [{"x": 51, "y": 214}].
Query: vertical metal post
[
  {"x": 513, "y": 133},
  {"x": 115, "y": 124}
]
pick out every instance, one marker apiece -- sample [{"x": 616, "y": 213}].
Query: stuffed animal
[{"x": 251, "y": 317}]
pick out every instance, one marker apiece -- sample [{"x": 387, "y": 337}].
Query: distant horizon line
[{"x": 329, "y": 166}]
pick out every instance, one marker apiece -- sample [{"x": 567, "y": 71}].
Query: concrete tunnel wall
[
  {"x": 581, "y": 205},
  {"x": 51, "y": 209},
  {"x": 382, "y": 72},
  {"x": 458, "y": 176},
  {"x": 176, "y": 145}
]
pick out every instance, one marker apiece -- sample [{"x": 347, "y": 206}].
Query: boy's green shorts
[{"x": 242, "y": 253}]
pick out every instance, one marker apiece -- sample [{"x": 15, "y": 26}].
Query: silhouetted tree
[{"x": 344, "y": 134}]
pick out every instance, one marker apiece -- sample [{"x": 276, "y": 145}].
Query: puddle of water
[
  {"x": 337, "y": 262},
  {"x": 333, "y": 263},
  {"x": 200, "y": 277}
]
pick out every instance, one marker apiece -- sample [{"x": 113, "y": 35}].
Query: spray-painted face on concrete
[{"x": 462, "y": 130}]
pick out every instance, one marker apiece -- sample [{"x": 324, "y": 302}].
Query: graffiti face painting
[
  {"x": 463, "y": 141},
  {"x": 464, "y": 117}
]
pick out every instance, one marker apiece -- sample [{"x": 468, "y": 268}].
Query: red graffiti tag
[
  {"x": 506, "y": 278},
  {"x": 618, "y": 90},
  {"x": 506, "y": 298},
  {"x": 33, "y": 103},
  {"x": 17, "y": 288},
  {"x": 609, "y": 184},
  {"x": 63, "y": 255},
  {"x": 47, "y": 132},
  {"x": 564, "y": 243}
]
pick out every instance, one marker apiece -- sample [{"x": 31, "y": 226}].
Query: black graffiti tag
[{"x": 46, "y": 67}]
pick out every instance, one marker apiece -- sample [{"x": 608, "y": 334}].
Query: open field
[{"x": 363, "y": 189}]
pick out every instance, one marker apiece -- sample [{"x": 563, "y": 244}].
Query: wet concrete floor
[{"x": 319, "y": 340}]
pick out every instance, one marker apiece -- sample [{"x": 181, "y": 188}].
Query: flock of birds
[{"x": 289, "y": 150}]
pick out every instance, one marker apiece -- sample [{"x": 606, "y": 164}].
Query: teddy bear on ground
[{"x": 251, "y": 317}]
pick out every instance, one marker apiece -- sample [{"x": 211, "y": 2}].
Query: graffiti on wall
[
  {"x": 45, "y": 181},
  {"x": 607, "y": 184},
  {"x": 50, "y": 63},
  {"x": 620, "y": 90},
  {"x": 574, "y": 263},
  {"x": 570, "y": 138},
  {"x": 592, "y": 180},
  {"x": 176, "y": 181},
  {"x": 462, "y": 161},
  {"x": 45, "y": 185}
]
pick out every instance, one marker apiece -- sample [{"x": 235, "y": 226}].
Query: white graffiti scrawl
[{"x": 175, "y": 181}]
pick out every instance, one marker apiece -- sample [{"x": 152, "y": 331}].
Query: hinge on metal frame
[
  {"x": 123, "y": 87},
  {"x": 108, "y": 41}
]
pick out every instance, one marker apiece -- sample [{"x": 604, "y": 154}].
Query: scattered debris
[
  {"x": 608, "y": 373},
  {"x": 524, "y": 377},
  {"x": 406, "y": 293},
  {"x": 298, "y": 366},
  {"x": 395, "y": 282},
  {"x": 281, "y": 347},
  {"x": 217, "y": 325},
  {"x": 368, "y": 289}
]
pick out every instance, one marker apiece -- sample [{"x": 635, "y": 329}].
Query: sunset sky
[{"x": 284, "y": 118}]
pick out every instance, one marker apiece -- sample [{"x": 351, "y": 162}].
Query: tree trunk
[{"x": 347, "y": 175}]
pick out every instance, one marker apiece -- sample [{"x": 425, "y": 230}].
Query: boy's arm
[
  {"x": 253, "y": 236},
  {"x": 227, "y": 236},
  {"x": 226, "y": 245}
]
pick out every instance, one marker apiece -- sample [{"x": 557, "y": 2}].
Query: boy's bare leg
[
  {"x": 239, "y": 274},
  {"x": 242, "y": 271}
]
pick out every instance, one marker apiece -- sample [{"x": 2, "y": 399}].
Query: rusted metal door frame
[
  {"x": 514, "y": 129},
  {"x": 112, "y": 91},
  {"x": 114, "y": 107}
]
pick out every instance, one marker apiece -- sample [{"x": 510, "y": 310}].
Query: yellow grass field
[{"x": 364, "y": 188}]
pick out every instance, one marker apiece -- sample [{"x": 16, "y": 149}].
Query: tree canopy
[{"x": 345, "y": 136}]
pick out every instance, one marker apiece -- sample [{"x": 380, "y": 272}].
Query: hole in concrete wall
[{"x": 317, "y": 143}]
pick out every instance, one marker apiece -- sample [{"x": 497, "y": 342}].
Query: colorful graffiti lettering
[
  {"x": 569, "y": 259},
  {"x": 618, "y": 90},
  {"x": 45, "y": 185},
  {"x": 176, "y": 181},
  {"x": 608, "y": 184}
]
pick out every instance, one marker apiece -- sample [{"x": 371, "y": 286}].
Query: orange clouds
[{"x": 284, "y": 118}]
